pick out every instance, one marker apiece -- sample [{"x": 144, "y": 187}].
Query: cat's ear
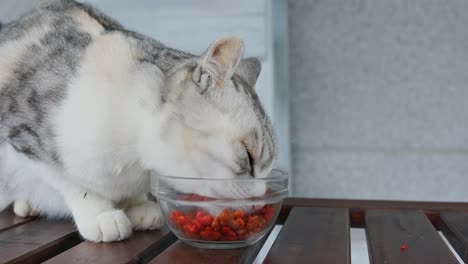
[
  {"x": 249, "y": 69},
  {"x": 222, "y": 58}
]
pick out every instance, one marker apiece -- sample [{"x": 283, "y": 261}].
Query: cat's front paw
[
  {"x": 23, "y": 208},
  {"x": 145, "y": 216},
  {"x": 107, "y": 226}
]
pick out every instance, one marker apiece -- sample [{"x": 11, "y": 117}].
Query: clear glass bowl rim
[{"x": 274, "y": 175}]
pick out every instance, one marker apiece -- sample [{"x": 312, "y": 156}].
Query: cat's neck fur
[{"x": 138, "y": 86}]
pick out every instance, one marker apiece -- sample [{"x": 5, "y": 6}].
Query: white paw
[
  {"x": 23, "y": 209},
  {"x": 106, "y": 227},
  {"x": 145, "y": 216}
]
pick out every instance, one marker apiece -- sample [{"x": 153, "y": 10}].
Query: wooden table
[{"x": 314, "y": 231}]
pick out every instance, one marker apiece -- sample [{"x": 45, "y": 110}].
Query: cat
[{"x": 88, "y": 110}]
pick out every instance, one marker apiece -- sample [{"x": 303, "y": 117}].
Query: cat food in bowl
[{"x": 221, "y": 213}]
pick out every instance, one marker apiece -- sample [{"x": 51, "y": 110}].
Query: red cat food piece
[
  {"x": 206, "y": 220},
  {"x": 238, "y": 214},
  {"x": 229, "y": 225}
]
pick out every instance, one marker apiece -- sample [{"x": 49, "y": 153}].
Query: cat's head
[{"x": 214, "y": 122}]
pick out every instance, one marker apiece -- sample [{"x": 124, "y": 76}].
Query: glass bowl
[{"x": 221, "y": 213}]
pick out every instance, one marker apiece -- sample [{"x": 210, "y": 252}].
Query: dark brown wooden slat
[
  {"x": 182, "y": 253},
  {"x": 312, "y": 235},
  {"x": 375, "y": 204},
  {"x": 455, "y": 228},
  {"x": 36, "y": 241},
  {"x": 140, "y": 248},
  {"x": 388, "y": 230},
  {"x": 357, "y": 208},
  {"x": 9, "y": 220}
]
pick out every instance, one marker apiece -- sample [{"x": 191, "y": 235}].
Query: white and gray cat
[{"x": 88, "y": 109}]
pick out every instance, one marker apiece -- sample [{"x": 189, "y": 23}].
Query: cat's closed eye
[{"x": 251, "y": 162}]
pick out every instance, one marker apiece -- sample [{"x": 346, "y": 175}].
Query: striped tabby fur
[{"x": 88, "y": 109}]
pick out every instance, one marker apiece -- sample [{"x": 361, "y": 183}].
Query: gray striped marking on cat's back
[
  {"x": 38, "y": 81},
  {"x": 41, "y": 75}
]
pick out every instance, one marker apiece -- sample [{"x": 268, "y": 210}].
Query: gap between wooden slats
[
  {"x": 140, "y": 248},
  {"x": 9, "y": 220},
  {"x": 313, "y": 235},
  {"x": 36, "y": 241},
  {"x": 268, "y": 243},
  {"x": 454, "y": 226}
]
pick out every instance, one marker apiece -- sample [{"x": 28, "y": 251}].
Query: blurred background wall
[
  {"x": 379, "y": 98},
  {"x": 378, "y": 90}
]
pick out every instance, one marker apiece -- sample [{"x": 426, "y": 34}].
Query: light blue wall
[
  {"x": 379, "y": 98},
  {"x": 11, "y": 9}
]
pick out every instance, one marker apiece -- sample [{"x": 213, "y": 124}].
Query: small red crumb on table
[{"x": 403, "y": 247}]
